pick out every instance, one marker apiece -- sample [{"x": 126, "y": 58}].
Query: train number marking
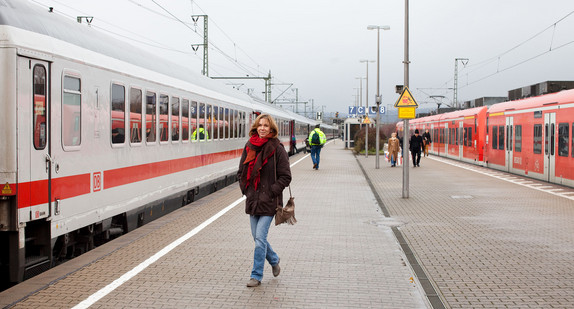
[{"x": 97, "y": 181}]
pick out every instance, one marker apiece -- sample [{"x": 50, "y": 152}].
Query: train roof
[
  {"x": 565, "y": 96},
  {"x": 33, "y": 18}
]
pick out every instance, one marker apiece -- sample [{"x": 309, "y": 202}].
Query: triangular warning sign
[
  {"x": 406, "y": 99},
  {"x": 7, "y": 189},
  {"x": 366, "y": 120}
]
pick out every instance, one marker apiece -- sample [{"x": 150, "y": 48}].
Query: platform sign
[
  {"x": 407, "y": 112},
  {"x": 406, "y": 105},
  {"x": 361, "y": 110}
]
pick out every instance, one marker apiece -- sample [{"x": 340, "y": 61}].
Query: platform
[
  {"x": 466, "y": 237},
  {"x": 484, "y": 238},
  {"x": 341, "y": 254}
]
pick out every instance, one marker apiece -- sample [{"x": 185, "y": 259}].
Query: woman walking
[
  {"x": 263, "y": 174},
  {"x": 393, "y": 148}
]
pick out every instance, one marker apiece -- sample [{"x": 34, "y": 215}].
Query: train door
[
  {"x": 460, "y": 140},
  {"x": 550, "y": 146},
  {"x": 509, "y": 143},
  {"x": 34, "y": 169},
  {"x": 431, "y": 146},
  {"x": 446, "y": 139},
  {"x": 34, "y": 136}
]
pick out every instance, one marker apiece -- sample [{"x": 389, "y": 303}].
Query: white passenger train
[{"x": 98, "y": 137}]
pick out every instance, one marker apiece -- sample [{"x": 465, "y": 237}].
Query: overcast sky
[{"x": 316, "y": 45}]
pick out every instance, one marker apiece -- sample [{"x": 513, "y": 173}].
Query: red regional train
[
  {"x": 532, "y": 137},
  {"x": 98, "y": 137}
]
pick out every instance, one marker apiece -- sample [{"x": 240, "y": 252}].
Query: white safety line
[
  {"x": 539, "y": 187},
  {"x": 92, "y": 299}
]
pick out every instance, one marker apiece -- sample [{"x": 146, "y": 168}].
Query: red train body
[{"x": 532, "y": 137}]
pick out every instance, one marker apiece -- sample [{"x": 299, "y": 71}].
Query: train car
[
  {"x": 533, "y": 137},
  {"x": 100, "y": 137},
  {"x": 457, "y": 135}
]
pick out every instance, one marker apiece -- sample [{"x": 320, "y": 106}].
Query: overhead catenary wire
[{"x": 473, "y": 67}]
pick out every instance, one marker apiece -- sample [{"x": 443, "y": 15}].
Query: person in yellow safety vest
[
  {"x": 316, "y": 140},
  {"x": 200, "y": 134}
]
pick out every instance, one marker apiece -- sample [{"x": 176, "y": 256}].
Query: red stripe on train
[
  {"x": 30, "y": 193},
  {"x": 131, "y": 174}
]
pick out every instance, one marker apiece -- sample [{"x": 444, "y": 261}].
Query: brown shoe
[
  {"x": 253, "y": 283},
  {"x": 276, "y": 269}
]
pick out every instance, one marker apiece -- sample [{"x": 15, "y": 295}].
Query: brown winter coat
[
  {"x": 269, "y": 194},
  {"x": 393, "y": 147}
]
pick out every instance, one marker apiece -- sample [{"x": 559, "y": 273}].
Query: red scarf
[{"x": 258, "y": 153}]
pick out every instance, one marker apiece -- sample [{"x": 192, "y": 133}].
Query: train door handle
[{"x": 49, "y": 162}]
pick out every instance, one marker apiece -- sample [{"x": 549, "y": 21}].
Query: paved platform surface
[
  {"x": 486, "y": 239},
  {"x": 341, "y": 254}
]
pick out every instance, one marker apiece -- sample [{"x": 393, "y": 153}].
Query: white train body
[{"x": 67, "y": 179}]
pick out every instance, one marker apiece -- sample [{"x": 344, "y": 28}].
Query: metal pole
[
  {"x": 367, "y": 111},
  {"x": 378, "y": 101},
  {"x": 406, "y": 131}
]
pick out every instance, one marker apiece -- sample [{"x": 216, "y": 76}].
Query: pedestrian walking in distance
[
  {"x": 316, "y": 139},
  {"x": 263, "y": 174},
  {"x": 427, "y": 140},
  {"x": 416, "y": 145},
  {"x": 394, "y": 146}
]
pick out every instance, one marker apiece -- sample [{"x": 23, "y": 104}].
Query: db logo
[{"x": 97, "y": 181}]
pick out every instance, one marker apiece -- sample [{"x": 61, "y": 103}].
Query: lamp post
[
  {"x": 367, "y": 108},
  {"x": 378, "y": 98}
]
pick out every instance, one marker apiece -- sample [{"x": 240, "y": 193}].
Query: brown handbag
[{"x": 285, "y": 214}]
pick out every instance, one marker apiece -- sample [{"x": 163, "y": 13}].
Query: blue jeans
[
  {"x": 315, "y": 154},
  {"x": 263, "y": 251}
]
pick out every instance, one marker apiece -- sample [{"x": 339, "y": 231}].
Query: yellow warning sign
[
  {"x": 367, "y": 120},
  {"x": 7, "y": 189},
  {"x": 407, "y": 112},
  {"x": 406, "y": 99}
]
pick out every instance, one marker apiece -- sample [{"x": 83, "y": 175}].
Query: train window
[
  {"x": 509, "y": 138},
  {"x": 226, "y": 121},
  {"x": 231, "y": 123},
  {"x": 209, "y": 119},
  {"x": 193, "y": 121},
  {"x": 221, "y": 124},
  {"x": 563, "y": 138},
  {"x": 216, "y": 122},
  {"x": 71, "y": 112},
  {"x": 163, "y": 118},
  {"x": 572, "y": 140},
  {"x": 537, "y": 139},
  {"x": 236, "y": 124},
  {"x": 118, "y": 114},
  {"x": 494, "y": 137},
  {"x": 185, "y": 120},
  {"x": 501, "y": 137},
  {"x": 200, "y": 134},
  {"x": 243, "y": 125},
  {"x": 175, "y": 119},
  {"x": 469, "y": 137},
  {"x": 475, "y": 125},
  {"x": 136, "y": 115},
  {"x": 150, "y": 117},
  {"x": 518, "y": 138},
  {"x": 552, "y": 132},
  {"x": 39, "y": 112}
]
